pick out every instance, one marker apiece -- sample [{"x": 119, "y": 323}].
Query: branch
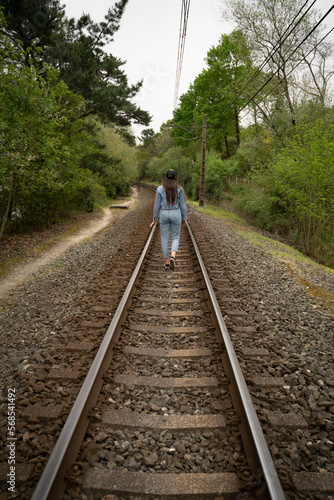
[{"x": 268, "y": 120}]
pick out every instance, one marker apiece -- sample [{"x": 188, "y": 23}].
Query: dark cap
[{"x": 170, "y": 174}]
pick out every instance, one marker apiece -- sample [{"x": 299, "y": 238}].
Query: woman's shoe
[
  {"x": 172, "y": 263},
  {"x": 166, "y": 266}
]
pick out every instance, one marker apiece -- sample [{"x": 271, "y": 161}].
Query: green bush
[{"x": 304, "y": 173}]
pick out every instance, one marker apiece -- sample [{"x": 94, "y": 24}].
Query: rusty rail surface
[
  {"x": 255, "y": 445},
  {"x": 52, "y": 483}
]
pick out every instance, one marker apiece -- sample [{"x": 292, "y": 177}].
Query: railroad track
[{"x": 164, "y": 411}]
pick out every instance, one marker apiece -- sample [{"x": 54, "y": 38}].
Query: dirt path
[{"x": 26, "y": 270}]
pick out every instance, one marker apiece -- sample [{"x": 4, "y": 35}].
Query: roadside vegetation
[
  {"x": 270, "y": 127},
  {"x": 65, "y": 115},
  {"x": 66, "y": 110}
]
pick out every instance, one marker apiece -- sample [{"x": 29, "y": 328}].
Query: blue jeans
[{"x": 170, "y": 223}]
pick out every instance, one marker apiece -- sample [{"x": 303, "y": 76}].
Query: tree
[
  {"x": 265, "y": 24},
  {"x": 154, "y": 146},
  {"x": 121, "y": 171},
  {"x": 316, "y": 82},
  {"x": 304, "y": 173},
  {"x": 183, "y": 125},
  {"x": 216, "y": 91},
  {"x": 41, "y": 140},
  {"x": 76, "y": 50},
  {"x": 147, "y": 136},
  {"x": 231, "y": 66},
  {"x": 31, "y": 21},
  {"x": 37, "y": 156}
]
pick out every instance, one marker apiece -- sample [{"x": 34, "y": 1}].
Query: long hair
[{"x": 171, "y": 186}]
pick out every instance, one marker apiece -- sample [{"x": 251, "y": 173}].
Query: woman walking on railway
[{"x": 170, "y": 201}]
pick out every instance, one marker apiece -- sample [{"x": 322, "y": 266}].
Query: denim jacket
[{"x": 161, "y": 203}]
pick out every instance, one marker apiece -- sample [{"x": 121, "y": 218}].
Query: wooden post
[
  {"x": 179, "y": 166},
  {"x": 138, "y": 173},
  {"x": 202, "y": 184}
]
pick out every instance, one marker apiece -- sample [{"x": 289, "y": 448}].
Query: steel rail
[
  {"x": 52, "y": 482},
  {"x": 272, "y": 487}
]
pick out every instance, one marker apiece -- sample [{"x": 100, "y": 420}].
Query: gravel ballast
[
  {"x": 32, "y": 312},
  {"x": 296, "y": 329}
]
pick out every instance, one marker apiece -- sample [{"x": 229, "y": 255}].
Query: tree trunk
[
  {"x": 322, "y": 92},
  {"x": 9, "y": 202},
  {"x": 237, "y": 126},
  {"x": 270, "y": 124},
  {"x": 226, "y": 145},
  {"x": 288, "y": 98}
]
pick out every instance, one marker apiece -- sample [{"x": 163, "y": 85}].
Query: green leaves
[
  {"x": 305, "y": 173},
  {"x": 76, "y": 49},
  {"x": 215, "y": 91},
  {"x": 36, "y": 131},
  {"x": 52, "y": 159}
]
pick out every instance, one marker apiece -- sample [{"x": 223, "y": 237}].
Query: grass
[
  {"x": 217, "y": 212},
  {"x": 6, "y": 267},
  {"x": 16, "y": 249},
  {"x": 46, "y": 245},
  {"x": 31, "y": 245},
  {"x": 301, "y": 267}
]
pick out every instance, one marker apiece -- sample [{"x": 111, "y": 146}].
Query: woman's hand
[
  {"x": 152, "y": 224},
  {"x": 184, "y": 225}
]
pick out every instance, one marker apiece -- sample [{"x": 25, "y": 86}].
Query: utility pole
[
  {"x": 202, "y": 183},
  {"x": 138, "y": 172},
  {"x": 179, "y": 166}
]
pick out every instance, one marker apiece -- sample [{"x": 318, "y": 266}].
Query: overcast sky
[{"x": 148, "y": 41}]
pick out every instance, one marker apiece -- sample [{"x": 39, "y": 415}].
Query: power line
[
  {"x": 280, "y": 67},
  {"x": 272, "y": 53},
  {"x": 295, "y": 50},
  {"x": 311, "y": 50},
  {"x": 276, "y": 47},
  {"x": 274, "y": 50},
  {"x": 182, "y": 39}
]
